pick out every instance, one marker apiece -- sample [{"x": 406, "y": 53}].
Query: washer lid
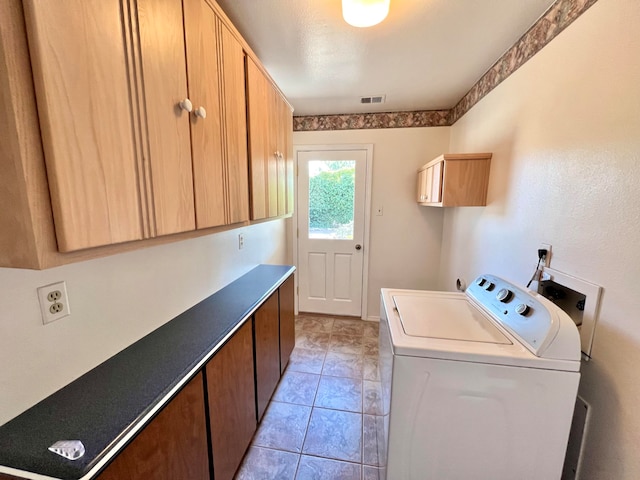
[{"x": 446, "y": 317}]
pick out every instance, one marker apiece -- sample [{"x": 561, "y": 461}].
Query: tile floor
[{"x": 324, "y": 418}]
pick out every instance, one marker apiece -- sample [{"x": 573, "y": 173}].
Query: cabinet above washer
[{"x": 454, "y": 180}]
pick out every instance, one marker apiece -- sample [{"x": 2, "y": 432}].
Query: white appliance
[{"x": 479, "y": 385}]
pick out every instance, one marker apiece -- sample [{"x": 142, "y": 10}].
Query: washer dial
[{"x": 504, "y": 295}]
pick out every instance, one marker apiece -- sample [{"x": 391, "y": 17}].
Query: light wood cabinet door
[
  {"x": 206, "y": 133},
  {"x": 267, "y": 350},
  {"x": 164, "y": 73},
  {"x": 455, "y": 180},
  {"x": 289, "y": 161},
  {"x": 272, "y": 150},
  {"x": 422, "y": 185},
  {"x": 83, "y": 85},
  {"x": 270, "y": 147},
  {"x": 435, "y": 183},
  {"x": 287, "y": 322},
  {"x": 280, "y": 114},
  {"x": 232, "y": 408},
  {"x": 258, "y": 120},
  {"x": 173, "y": 445},
  {"x": 235, "y": 115}
]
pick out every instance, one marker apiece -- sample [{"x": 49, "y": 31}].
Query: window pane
[{"x": 331, "y": 198}]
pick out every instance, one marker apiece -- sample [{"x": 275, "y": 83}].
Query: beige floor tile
[
  {"x": 346, "y": 344},
  {"x": 312, "y": 340},
  {"x": 305, "y": 360},
  {"x": 314, "y": 324},
  {"x": 348, "y": 327},
  {"x": 373, "y": 473},
  {"x": 297, "y": 387},
  {"x": 334, "y": 434},
  {"x": 343, "y": 365},
  {"x": 317, "y": 468},
  {"x": 370, "y": 368},
  {"x": 370, "y": 346},
  {"x": 371, "y": 329},
  {"x": 283, "y": 427},
  {"x": 372, "y": 397},
  {"x": 339, "y": 393},
  {"x": 267, "y": 464},
  {"x": 373, "y": 448}
]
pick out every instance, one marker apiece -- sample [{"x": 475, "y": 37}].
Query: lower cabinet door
[
  {"x": 287, "y": 322},
  {"x": 231, "y": 392},
  {"x": 172, "y": 446},
  {"x": 267, "y": 340}
]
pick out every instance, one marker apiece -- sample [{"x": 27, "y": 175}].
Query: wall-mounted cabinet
[
  {"x": 270, "y": 147},
  {"x": 454, "y": 180},
  {"x": 130, "y": 135},
  {"x": 128, "y": 121}
]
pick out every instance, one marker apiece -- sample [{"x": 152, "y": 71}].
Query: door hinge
[
  {"x": 297, "y": 290},
  {"x": 297, "y": 232}
]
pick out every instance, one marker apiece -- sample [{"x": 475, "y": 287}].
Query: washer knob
[
  {"x": 481, "y": 281},
  {"x": 489, "y": 286},
  {"x": 523, "y": 309},
  {"x": 504, "y": 295}
]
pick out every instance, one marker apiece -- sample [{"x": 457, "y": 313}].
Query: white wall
[
  {"x": 404, "y": 248},
  {"x": 114, "y": 301},
  {"x": 565, "y": 132}
]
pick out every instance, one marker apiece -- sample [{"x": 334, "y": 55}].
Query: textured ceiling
[{"x": 425, "y": 56}]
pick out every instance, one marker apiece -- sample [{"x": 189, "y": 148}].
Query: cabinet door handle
[
  {"x": 186, "y": 105},
  {"x": 201, "y": 112}
]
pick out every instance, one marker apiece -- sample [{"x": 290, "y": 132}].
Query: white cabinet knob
[
  {"x": 186, "y": 105},
  {"x": 200, "y": 112}
]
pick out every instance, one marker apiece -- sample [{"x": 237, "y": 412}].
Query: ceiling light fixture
[{"x": 365, "y": 13}]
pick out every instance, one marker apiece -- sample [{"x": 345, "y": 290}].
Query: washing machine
[{"x": 476, "y": 385}]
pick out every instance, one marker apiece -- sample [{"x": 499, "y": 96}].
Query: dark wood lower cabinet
[
  {"x": 173, "y": 445},
  {"x": 231, "y": 393},
  {"x": 287, "y": 322},
  {"x": 240, "y": 379},
  {"x": 267, "y": 348}
]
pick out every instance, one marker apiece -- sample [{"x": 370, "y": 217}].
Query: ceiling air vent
[{"x": 373, "y": 99}]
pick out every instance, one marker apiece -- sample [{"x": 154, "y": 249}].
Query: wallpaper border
[{"x": 558, "y": 17}]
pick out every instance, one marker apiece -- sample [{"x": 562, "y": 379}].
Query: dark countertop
[{"x": 110, "y": 401}]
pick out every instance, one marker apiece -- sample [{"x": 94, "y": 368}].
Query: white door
[{"x": 331, "y": 229}]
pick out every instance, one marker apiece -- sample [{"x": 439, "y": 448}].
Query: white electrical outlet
[
  {"x": 54, "y": 302},
  {"x": 547, "y": 259},
  {"x": 240, "y": 241}
]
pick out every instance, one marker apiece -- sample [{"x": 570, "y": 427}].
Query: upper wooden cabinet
[
  {"x": 270, "y": 147},
  {"x": 218, "y": 125},
  {"x": 455, "y": 180},
  {"x": 117, "y": 146},
  {"x": 127, "y": 121}
]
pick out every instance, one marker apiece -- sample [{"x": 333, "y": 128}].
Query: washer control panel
[{"x": 515, "y": 309}]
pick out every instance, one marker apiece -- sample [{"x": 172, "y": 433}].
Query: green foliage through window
[{"x": 331, "y": 195}]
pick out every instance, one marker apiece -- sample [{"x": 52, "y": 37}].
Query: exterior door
[{"x": 331, "y": 230}]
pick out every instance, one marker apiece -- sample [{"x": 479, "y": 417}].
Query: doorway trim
[{"x": 367, "y": 214}]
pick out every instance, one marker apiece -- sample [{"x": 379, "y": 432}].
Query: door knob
[
  {"x": 358, "y": 247},
  {"x": 200, "y": 112},
  {"x": 186, "y": 105}
]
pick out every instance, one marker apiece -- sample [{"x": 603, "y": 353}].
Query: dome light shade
[{"x": 364, "y": 13}]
